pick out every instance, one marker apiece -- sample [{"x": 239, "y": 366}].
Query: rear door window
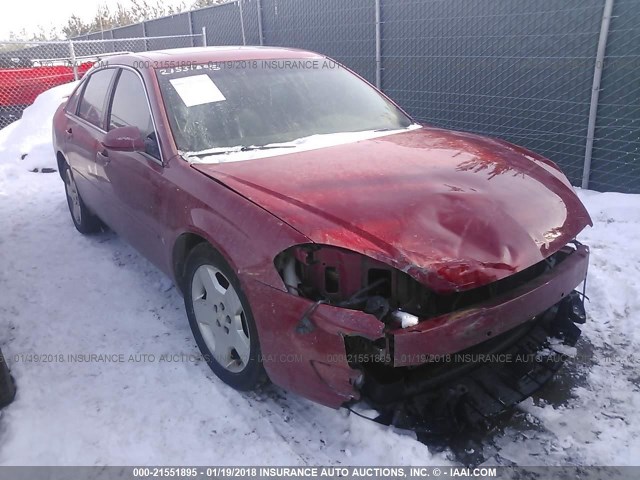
[
  {"x": 93, "y": 101},
  {"x": 72, "y": 103}
]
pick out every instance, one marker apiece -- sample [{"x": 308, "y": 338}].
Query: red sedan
[{"x": 324, "y": 240}]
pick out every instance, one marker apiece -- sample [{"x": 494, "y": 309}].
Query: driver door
[{"x": 136, "y": 179}]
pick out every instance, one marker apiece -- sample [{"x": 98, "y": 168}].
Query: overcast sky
[{"x": 29, "y": 14}]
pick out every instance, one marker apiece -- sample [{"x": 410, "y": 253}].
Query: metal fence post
[
  {"x": 193, "y": 39},
  {"x": 595, "y": 90},
  {"x": 378, "y": 47},
  {"x": 260, "y": 33},
  {"x": 204, "y": 36},
  {"x": 144, "y": 34},
  {"x": 72, "y": 57},
  {"x": 244, "y": 38}
]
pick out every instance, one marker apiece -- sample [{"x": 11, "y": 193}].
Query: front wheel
[
  {"x": 221, "y": 320},
  {"x": 84, "y": 221}
]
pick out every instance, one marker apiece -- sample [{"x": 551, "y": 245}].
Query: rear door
[
  {"x": 136, "y": 180},
  {"x": 84, "y": 132}
]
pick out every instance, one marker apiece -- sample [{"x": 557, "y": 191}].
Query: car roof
[{"x": 198, "y": 55}]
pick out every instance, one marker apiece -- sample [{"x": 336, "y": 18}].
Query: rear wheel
[
  {"x": 84, "y": 221},
  {"x": 221, "y": 320}
]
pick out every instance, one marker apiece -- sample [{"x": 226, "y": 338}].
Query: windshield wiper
[
  {"x": 227, "y": 151},
  {"x": 265, "y": 147},
  {"x": 389, "y": 129}
]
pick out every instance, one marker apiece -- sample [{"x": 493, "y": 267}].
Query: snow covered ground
[{"x": 148, "y": 400}]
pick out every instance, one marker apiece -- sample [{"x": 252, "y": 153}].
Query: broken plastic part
[
  {"x": 290, "y": 277},
  {"x": 405, "y": 319}
]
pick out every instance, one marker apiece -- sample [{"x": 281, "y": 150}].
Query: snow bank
[{"x": 26, "y": 143}]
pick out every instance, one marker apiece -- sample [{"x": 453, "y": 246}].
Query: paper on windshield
[{"x": 197, "y": 90}]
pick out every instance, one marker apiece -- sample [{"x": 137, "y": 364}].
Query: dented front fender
[{"x": 310, "y": 361}]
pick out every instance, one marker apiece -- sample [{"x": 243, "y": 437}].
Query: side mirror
[{"x": 124, "y": 139}]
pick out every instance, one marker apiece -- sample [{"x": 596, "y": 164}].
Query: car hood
[{"x": 453, "y": 210}]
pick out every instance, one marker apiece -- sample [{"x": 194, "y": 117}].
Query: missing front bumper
[{"x": 463, "y": 390}]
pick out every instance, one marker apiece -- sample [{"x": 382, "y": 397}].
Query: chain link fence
[
  {"x": 616, "y": 140},
  {"x": 519, "y": 70},
  {"x": 561, "y": 78},
  {"x": 29, "y": 68},
  {"x": 345, "y": 31}
]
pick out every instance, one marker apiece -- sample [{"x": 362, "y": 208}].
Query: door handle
[
  {"x": 103, "y": 157},
  {"x": 69, "y": 132}
]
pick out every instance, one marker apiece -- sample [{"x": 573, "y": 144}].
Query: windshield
[{"x": 246, "y": 105}]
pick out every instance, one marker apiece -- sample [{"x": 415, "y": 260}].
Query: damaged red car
[{"x": 324, "y": 240}]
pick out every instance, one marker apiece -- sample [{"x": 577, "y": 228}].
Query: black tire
[
  {"x": 7, "y": 385},
  {"x": 252, "y": 373},
  {"x": 84, "y": 221}
]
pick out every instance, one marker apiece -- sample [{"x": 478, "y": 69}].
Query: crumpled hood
[{"x": 454, "y": 210}]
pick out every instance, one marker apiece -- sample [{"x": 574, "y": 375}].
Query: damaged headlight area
[{"x": 343, "y": 278}]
